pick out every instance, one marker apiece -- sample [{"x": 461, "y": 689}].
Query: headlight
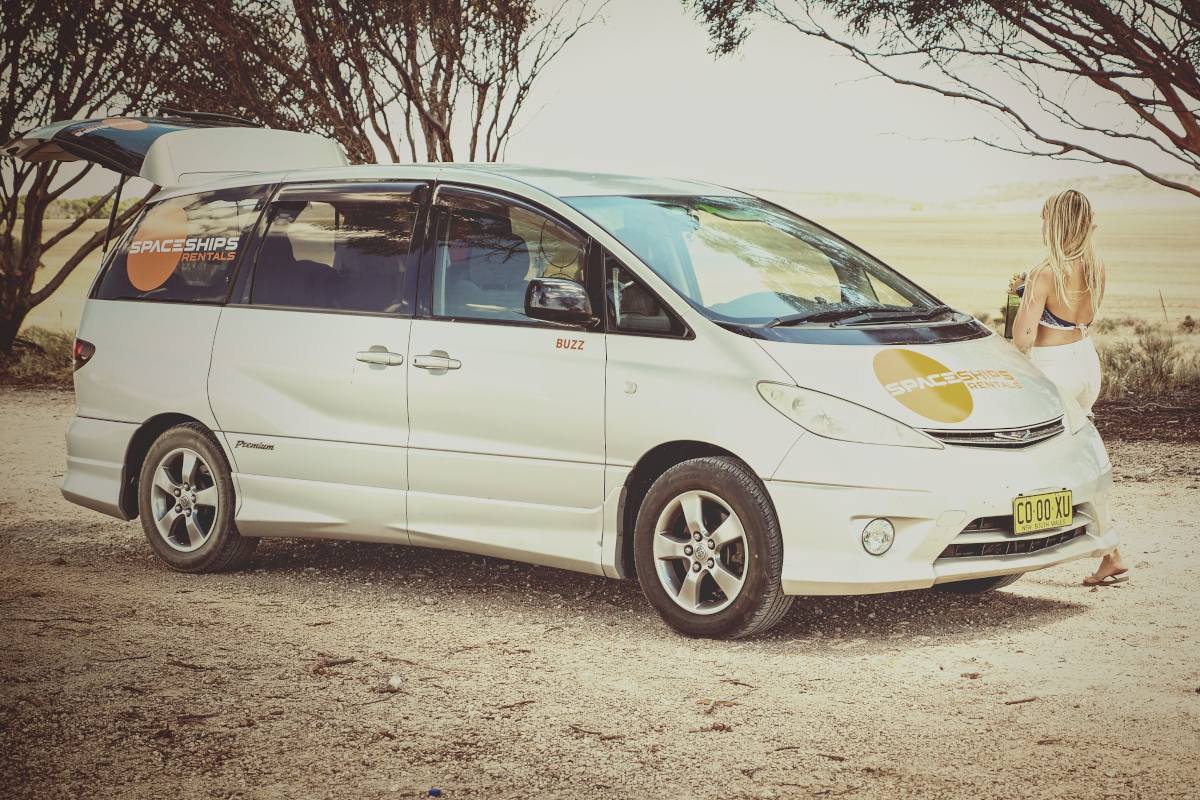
[
  {"x": 828, "y": 416},
  {"x": 1074, "y": 417}
]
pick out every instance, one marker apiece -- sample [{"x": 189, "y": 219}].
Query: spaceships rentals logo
[
  {"x": 162, "y": 241},
  {"x": 928, "y": 387}
]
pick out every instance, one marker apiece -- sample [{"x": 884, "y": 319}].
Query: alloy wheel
[
  {"x": 184, "y": 500},
  {"x": 700, "y": 552}
]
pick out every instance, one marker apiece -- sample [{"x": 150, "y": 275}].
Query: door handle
[
  {"x": 383, "y": 358},
  {"x": 437, "y": 361}
]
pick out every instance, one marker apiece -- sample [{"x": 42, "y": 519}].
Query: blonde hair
[{"x": 1067, "y": 226}]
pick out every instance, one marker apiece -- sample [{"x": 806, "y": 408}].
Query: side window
[
  {"x": 327, "y": 253},
  {"x": 184, "y": 249},
  {"x": 632, "y": 308},
  {"x": 488, "y": 251}
]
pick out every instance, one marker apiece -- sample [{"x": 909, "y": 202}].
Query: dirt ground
[
  {"x": 121, "y": 679},
  {"x": 1173, "y": 419}
]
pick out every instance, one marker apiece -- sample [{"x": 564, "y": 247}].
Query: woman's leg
[
  {"x": 1075, "y": 368},
  {"x": 1089, "y": 366}
]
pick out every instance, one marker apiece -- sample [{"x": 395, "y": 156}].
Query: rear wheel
[
  {"x": 709, "y": 552},
  {"x": 186, "y": 501},
  {"x": 979, "y": 585}
]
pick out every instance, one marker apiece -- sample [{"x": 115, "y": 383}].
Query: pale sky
[
  {"x": 642, "y": 94},
  {"x": 639, "y": 93}
]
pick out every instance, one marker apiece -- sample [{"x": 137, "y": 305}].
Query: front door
[
  {"x": 506, "y": 449},
  {"x": 309, "y": 372}
]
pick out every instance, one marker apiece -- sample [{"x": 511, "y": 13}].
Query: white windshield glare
[{"x": 740, "y": 259}]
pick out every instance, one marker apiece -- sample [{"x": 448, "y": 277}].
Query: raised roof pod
[{"x": 177, "y": 148}]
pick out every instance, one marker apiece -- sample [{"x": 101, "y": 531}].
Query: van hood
[{"x": 973, "y": 385}]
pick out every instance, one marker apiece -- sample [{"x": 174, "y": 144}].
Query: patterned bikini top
[{"x": 1051, "y": 320}]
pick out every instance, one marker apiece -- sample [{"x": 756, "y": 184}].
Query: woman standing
[{"x": 1059, "y": 300}]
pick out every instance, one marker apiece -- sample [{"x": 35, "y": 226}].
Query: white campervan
[{"x": 623, "y": 376}]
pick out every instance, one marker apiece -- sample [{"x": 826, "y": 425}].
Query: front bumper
[{"x": 826, "y": 491}]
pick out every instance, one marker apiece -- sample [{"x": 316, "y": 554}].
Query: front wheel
[
  {"x": 979, "y": 585},
  {"x": 186, "y": 502},
  {"x": 709, "y": 552}
]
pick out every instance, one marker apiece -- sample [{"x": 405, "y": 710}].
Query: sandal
[{"x": 1107, "y": 580}]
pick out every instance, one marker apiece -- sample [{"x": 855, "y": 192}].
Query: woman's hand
[{"x": 1017, "y": 279}]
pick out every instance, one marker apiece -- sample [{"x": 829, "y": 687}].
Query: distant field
[
  {"x": 965, "y": 259},
  {"x": 61, "y": 311}
]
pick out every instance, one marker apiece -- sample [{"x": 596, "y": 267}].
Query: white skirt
[{"x": 1074, "y": 367}]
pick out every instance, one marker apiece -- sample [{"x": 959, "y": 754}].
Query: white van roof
[
  {"x": 558, "y": 183},
  {"x": 202, "y": 155},
  {"x": 181, "y": 151},
  {"x": 177, "y": 149}
]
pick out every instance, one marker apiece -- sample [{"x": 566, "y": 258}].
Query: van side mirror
[{"x": 558, "y": 300}]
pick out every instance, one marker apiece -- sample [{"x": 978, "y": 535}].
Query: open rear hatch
[{"x": 176, "y": 148}]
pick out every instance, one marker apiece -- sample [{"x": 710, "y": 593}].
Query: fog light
[{"x": 878, "y": 536}]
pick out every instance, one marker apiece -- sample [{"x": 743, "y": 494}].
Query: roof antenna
[{"x": 206, "y": 116}]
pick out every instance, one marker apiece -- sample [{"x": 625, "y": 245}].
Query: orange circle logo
[
  {"x": 924, "y": 385},
  {"x": 156, "y": 247}
]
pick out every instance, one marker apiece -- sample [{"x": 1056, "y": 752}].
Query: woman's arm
[{"x": 1033, "y": 302}]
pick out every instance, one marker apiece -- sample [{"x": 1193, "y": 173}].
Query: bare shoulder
[{"x": 1040, "y": 281}]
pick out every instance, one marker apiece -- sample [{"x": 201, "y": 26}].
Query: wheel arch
[
  {"x": 135, "y": 455},
  {"x": 653, "y": 463}
]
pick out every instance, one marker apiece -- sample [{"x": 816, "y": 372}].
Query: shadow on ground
[{"x": 857, "y": 623}]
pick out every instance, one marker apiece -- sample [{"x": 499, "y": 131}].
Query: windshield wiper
[
  {"x": 893, "y": 315},
  {"x": 828, "y": 315}
]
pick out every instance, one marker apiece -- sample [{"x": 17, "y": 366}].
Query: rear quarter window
[{"x": 185, "y": 249}]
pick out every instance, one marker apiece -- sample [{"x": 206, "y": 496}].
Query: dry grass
[
  {"x": 1140, "y": 360},
  {"x": 1152, "y": 364},
  {"x": 42, "y": 358}
]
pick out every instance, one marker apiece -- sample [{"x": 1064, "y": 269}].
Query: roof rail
[{"x": 207, "y": 116}]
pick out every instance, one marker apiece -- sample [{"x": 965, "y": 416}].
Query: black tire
[
  {"x": 225, "y": 549},
  {"x": 760, "y": 603},
  {"x": 979, "y": 585}
]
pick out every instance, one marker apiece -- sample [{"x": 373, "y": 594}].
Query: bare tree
[
  {"x": 367, "y": 73},
  {"x": 1101, "y": 81},
  {"x": 415, "y": 79},
  {"x": 282, "y": 64},
  {"x": 58, "y": 60},
  {"x": 433, "y": 55}
]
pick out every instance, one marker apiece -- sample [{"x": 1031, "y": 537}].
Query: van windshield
[{"x": 745, "y": 261}]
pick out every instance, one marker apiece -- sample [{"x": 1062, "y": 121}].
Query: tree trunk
[{"x": 10, "y": 323}]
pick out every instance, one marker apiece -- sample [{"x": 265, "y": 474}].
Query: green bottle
[{"x": 1011, "y": 303}]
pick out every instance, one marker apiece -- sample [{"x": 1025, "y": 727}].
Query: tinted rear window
[
  {"x": 184, "y": 250},
  {"x": 344, "y": 255}
]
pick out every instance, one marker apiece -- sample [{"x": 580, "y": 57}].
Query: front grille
[
  {"x": 1006, "y": 438},
  {"x": 989, "y": 524},
  {"x": 1017, "y": 545}
]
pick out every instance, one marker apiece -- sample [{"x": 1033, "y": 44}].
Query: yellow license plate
[{"x": 1039, "y": 512}]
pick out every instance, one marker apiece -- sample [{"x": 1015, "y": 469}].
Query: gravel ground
[{"x": 121, "y": 679}]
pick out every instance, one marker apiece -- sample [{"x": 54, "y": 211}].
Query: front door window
[{"x": 488, "y": 251}]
